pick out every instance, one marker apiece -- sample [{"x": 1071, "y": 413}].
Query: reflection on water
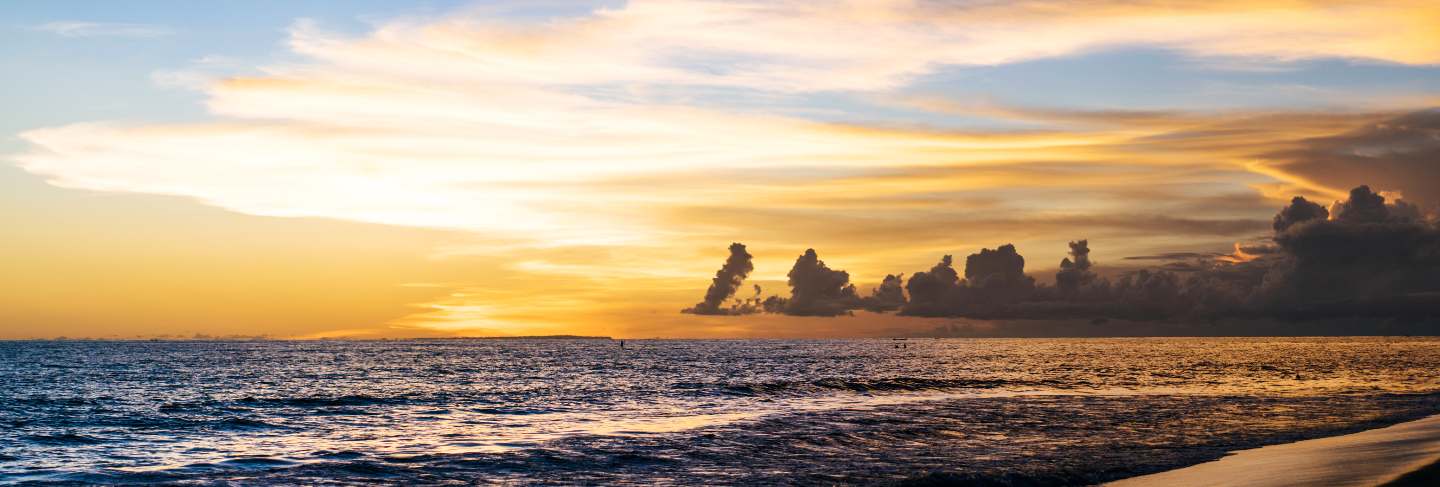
[{"x": 675, "y": 411}]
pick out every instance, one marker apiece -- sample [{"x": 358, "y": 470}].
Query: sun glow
[{"x": 592, "y": 158}]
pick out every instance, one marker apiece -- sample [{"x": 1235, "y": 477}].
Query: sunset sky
[{"x": 392, "y": 169}]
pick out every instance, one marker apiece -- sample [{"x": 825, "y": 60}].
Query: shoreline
[{"x": 1399, "y": 455}]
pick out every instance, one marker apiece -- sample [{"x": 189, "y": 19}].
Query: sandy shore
[{"x": 1404, "y": 454}]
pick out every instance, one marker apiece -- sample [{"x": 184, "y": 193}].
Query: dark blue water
[{"x": 1036, "y": 412}]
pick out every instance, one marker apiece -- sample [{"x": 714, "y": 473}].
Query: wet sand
[{"x": 1401, "y": 455}]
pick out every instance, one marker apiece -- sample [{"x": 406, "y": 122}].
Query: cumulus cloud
[
  {"x": 993, "y": 278},
  {"x": 888, "y": 296},
  {"x": 1364, "y": 256},
  {"x": 817, "y": 290},
  {"x": 999, "y": 274},
  {"x": 1298, "y": 211},
  {"x": 1371, "y": 249},
  {"x": 1075, "y": 270},
  {"x": 932, "y": 291},
  {"x": 726, "y": 282}
]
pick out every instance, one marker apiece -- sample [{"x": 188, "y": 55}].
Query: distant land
[
  {"x": 240, "y": 338},
  {"x": 526, "y": 337}
]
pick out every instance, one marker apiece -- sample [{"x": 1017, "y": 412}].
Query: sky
[{"x": 302, "y": 169}]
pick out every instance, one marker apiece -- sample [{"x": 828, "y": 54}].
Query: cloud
[
  {"x": 727, "y": 280},
  {"x": 809, "y": 46},
  {"x": 525, "y": 129},
  {"x": 1371, "y": 258},
  {"x": 104, "y": 29},
  {"x": 818, "y": 290},
  {"x": 1365, "y": 257},
  {"x": 1371, "y": 249},
  {"x": 1299, "y": 210},
  {"x": 1075, "y": 270},
  {"x": 931, "y": 290},
  {"x": 888, "y": 296},
  {"x": 999, "y": 272},
  {"x": 1397, "y": 153},
  {"x": 200, "y": 75},
  {"x": 993, "y": 277}
]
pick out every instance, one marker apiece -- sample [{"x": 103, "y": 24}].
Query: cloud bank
[{"x": 1365, "y": 257}]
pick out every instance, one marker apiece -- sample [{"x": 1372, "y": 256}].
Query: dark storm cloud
[
  {"x": 818, "y": 290},
  {"x": 1075, "y": 270},
  {"x": 888, "y": 296},
  {"x": 1400, "y": 153},
  {"x": 1365, "y": 257},
  {"x": 1371, "y": 249},
  {"x": 727, "y": 280},
  {"x": 999, "y": 274},
  {"x": 1299, "y": 210},
  {"x": 931, "y": 291},
  {"x": 993, "y": 278},
  {"x": 1364, "y": 206}
]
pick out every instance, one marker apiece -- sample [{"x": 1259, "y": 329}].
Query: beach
[{"x": 1400, "y": 455}]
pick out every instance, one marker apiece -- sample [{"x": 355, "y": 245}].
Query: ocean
[{"x": 685, "y": 412}]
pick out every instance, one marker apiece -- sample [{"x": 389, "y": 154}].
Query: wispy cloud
[
  {"x": 199, "y": 75},
  {"x": 815, "y": 46},
  {"x": 104, "y": 29},
  {"x": 542, "y": 133}
]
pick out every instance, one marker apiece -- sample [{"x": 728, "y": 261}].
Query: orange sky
[{"x": 475, "y": 174}]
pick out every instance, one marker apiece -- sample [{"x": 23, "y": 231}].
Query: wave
[
  {"x": 887, "y": 384},
  {"x": 39, "y": 400},
  {"x": 242, "y": 424},
  {"x": 323, "y": 401},
  {"x": 257, "y": 462},
  {"x": 65, "y": 439},
  {"x": 519, "y": 411}
]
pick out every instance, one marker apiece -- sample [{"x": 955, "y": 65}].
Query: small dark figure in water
[{"x": 622, "y": 343}]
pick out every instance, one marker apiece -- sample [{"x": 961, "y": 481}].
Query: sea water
[{"x": 1037, "y": 411}]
